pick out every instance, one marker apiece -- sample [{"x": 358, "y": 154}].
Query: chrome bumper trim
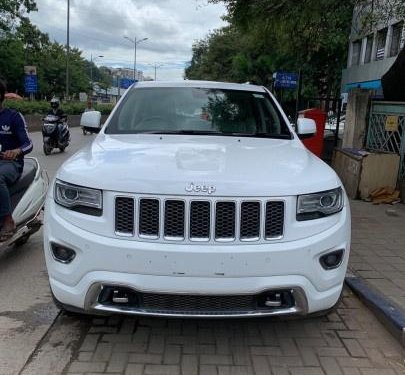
[
  {"x": 92, "y": 304},
  {"x": 193, "y": 314}
]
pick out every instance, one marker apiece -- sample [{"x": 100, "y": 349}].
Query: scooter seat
[{"x": 26, "y": 178}]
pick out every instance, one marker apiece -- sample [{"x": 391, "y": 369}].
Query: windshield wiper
[
  {"x": 207, "y": 132},
  {"x": 274, "y": 136},
  {"x": 182, "y": 132},
  {"x": 259, "y": 135}
]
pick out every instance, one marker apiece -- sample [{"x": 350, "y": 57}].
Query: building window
[
  {"x": 381, "y": 39},
  {"x": 396, "y": 38},
  {"x": 356, "y": 50},
  {"x": 369, "y": 48}
]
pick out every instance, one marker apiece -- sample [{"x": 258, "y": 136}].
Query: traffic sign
[
  {"x": 30, "y": 70},
  {"x": 31, "y": 84},
  {"x": 286, "y": 80},
  {"x": 126, "y": 82}
]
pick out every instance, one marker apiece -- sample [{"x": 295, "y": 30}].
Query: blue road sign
[
  {"x": 31, "y": 83},
  {"x": 126, "y": 82},
  {"x": 286, "y": 80}
]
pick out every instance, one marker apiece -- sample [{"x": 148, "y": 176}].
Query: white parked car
[{"x": 197, "y": 199}]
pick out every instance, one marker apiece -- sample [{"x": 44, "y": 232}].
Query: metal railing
[{"x": 386, "y": 130}]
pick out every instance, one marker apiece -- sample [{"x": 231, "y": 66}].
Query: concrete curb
[{"x": 388, "y": 313}]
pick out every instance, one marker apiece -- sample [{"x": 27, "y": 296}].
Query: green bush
[
  {"x": 28, "y": 108},
  {"x": 42, "y": 107}
]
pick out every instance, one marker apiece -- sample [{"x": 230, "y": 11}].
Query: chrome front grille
[{"x": 199, "y": 220}]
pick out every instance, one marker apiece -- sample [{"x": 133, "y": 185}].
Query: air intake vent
[
  {"x": 250, "y": 221},
  {"x": 149, "y": 218},
  {"x": 274, "y": 220},
  {"x": 225, "y": 221},
  {"x": 174, "y": 220},
  {"x": 124, "y": 215}
]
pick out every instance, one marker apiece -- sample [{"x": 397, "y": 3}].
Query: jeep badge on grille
[{"x": 200, "y": 188}]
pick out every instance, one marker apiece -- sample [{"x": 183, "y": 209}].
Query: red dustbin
[{"x": 315, "y": 143}]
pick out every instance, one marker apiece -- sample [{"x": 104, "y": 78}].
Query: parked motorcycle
[
  {"x": 56, "y": 134},
  {"x": 27, "y": 199}
]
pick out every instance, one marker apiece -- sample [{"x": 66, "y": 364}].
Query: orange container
[{"x": 315, "y": 143}]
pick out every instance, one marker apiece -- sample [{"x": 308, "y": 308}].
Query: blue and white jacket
[{"x": 13, "y": 132}]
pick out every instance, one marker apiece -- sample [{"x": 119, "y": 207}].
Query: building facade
[
  {"x": 128, "y": 73},
  {"x": 371, "y": 54}
]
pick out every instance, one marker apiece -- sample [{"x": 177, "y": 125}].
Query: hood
[{"x": 169, "y": 164}]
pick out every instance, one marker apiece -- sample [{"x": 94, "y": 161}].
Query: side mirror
[
  {"x": 306, "y": 128},
  {"x": 91, "y": 119}
]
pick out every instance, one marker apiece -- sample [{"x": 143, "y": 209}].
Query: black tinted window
[{"x": 198, "y": 110}]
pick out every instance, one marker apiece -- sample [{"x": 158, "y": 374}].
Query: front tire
[
  {"x": 47, "y": 149},
  {"x": 22, "y": 241},
  {"x": 73, "y": 311}
]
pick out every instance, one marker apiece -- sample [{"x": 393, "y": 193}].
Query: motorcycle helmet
[{"x": 55, "y": 103}]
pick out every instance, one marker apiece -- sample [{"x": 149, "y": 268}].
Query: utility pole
[
  {"x": 135, "y": 42},
  {"x": 91, "y": 69},
  {"x": 67, "y": 49},
  {"x": 135, "y": 60},
  {"x": 298, "y": 98},
  {"x": 156, "y": 66}
]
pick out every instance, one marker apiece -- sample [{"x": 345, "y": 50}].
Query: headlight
[
  {"x": 317, "y": 205},
  {"x": 79, "y": 198}
]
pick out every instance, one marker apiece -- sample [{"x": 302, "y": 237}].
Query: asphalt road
[{"x": 26, "y": 309}]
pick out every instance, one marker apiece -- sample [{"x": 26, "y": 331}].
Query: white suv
[{"x": 197, "y": 199}]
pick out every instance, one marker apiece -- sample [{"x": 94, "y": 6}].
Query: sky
[{"x": 98, "y": 27}]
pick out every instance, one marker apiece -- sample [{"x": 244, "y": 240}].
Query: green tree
[
  {"x": 12, "y": 63},
  {"x": 12, "y": 11},
  {"x": 371, "y": 13},
  {"x": 105, "y": 78},
  {"x": 51, "y": 70},
  {"x": 309, "y": 35},
  {"x": 213, "y": 56}
]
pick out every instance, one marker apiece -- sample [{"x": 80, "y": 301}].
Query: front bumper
[{"x": 221, "y": 270}]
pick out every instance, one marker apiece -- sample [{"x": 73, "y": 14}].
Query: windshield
[{"x": 186, "y": 110}]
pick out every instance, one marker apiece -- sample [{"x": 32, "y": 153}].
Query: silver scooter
[{"x": 27, "y": 199}]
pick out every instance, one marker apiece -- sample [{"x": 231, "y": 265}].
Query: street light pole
[
  {"x": 156, "y": 66},
  {"x": 135, "y": 59},
  {"x": 91, "y": 69},
  {"x": 67, "y": 49},
  {"x": 135, "y": 42}
]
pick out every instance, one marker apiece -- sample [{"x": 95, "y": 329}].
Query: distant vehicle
[
  {"x": 55, "y": 133},
  {"x": 90, "y": 122},
  {"x": 330, "y": 126},
  {"x": 197, "y": 199},
  {"x": 27, "y": 199}
]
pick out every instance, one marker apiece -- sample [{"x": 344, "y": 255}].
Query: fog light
[
  {"x": 332, "y": 260},
  {"x": 62, "y": 254}
]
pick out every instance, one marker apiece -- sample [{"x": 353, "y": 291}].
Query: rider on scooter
[
  {"x": 56, "y": 111},
  {"x": 15, "y": 143}
]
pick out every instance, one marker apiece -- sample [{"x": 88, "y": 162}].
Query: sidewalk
[{"x": 378, "y": 249}]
